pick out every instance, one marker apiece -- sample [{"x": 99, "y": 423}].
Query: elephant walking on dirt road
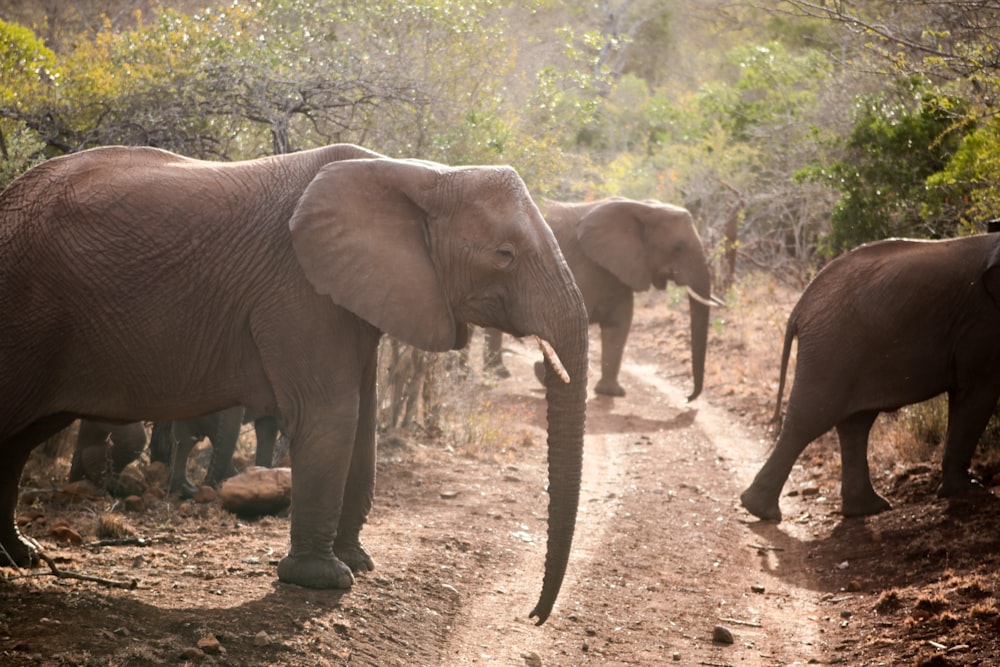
[
  {"x": 136, "y": 284},
  {"x": 616, "y": 247},
  {"x": 885, "y": 325}
]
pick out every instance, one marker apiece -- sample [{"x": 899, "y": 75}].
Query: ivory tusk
[
  {"x": 711, "y": 301},
  {"x": 553, "y": 358}
]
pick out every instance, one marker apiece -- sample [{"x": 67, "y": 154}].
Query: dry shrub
[
  {"x": 934, "y": 603},
  {"x": 985, "y": 610},
  {"x": 445, "y": 396},
  {"x": 888, "y": 602},
  {"x": 974, "y": 588},
  {"x": 112, "y": 526}
]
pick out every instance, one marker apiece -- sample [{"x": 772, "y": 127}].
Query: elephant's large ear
[
  {"x": 991, "y": 276},
  {"x": 611, "y": 235},
  {"x": 360, "y": 233}
]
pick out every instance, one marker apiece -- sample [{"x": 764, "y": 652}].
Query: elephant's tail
[{"x": 791, "y": 330}]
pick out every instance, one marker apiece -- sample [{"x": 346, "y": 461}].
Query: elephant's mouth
[{"x": 661, "y": 279}]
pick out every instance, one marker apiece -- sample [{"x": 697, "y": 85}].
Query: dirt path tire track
[{"x": 662, "y": 551}]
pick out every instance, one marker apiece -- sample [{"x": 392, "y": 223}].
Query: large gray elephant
[
  {"x": 141, "y": 285},
  {"x": 619, "y": 246},
  {"x": 886, "y": 325}
]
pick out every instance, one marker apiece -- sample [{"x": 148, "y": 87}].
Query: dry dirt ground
[{"x": 664, "y": 555}]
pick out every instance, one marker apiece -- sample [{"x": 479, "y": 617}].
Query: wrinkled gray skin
[
  {"x": 886, "y": 325},
  {"x": 141, "y": 285},
  {"x": 616, "y": 247},
  {"x": 103, "y": 450}
]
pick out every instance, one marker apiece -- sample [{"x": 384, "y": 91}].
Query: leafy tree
[
  {"x": 950, "y": 50},
  {"x": 900, "y": 140},
  {"x": 28, "y": 66},
  {"x": 967, "y": 189}
]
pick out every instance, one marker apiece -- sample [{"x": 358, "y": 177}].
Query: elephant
[
  {"x": 172, "y": 442},
  {"x": 137, "y": 284},
  {"x": 885, "y": 325},
  {"x": 619, "y": 246},
  {"x": 103, "y": 450}
]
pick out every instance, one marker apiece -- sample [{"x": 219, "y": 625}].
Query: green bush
[{"x": 900, "y": 139}]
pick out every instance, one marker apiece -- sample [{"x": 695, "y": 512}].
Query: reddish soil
[{"x": 663, "y": 556}]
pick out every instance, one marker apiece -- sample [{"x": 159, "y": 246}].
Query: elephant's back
[{"x": 893, "y": 283}]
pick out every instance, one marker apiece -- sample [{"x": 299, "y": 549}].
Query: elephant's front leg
[
  {"x": 359, "y": 490},
  {"x": 321, "y": 445},
  {"x": 614, "y": 333}
]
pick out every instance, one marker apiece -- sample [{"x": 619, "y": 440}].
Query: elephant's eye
[{"x": 505, "y": 255}]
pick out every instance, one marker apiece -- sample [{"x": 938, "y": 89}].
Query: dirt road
[
  {"x": 663, "y": 556},
  {"x": 666, "y": 565}
]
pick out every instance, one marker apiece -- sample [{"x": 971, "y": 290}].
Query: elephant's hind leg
[
  {"x": 614, "y": 334},
  {"x": 859, "y": 497},
  {"x": 761, "y": 497},
  {"x": 15, "y": 549}
]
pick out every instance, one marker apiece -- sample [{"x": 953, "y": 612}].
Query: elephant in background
[
  {"x": 616, "y": 247},
  {"x": 139, "y": 284},
  {"x": 885, "y": 325},
  {"x": 102, "y": 450},
  {"x": 172, "y": 442}
]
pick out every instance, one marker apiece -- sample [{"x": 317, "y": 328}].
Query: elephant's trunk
[
  {"x": 700, "y": 312},
  {"x": 566, "y": 406}
]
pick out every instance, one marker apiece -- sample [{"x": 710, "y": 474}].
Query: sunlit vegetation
[{"x": 793, "y": 130}]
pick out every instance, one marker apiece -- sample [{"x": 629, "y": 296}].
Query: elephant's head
[
  {"x": 646, "y": 244},
  {"x": 421, "y": 251}
]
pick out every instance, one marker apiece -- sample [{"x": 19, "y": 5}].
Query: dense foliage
[
  {"x": 792, "y": 129},
  {"x": 788, "y": 127}
]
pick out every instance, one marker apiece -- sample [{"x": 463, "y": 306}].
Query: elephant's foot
[
  {"x": 313, "y": 571},
  {"x": 186, "y": 490},
  {"x": 354, "y": 555},
  {"x": 497, "y": 369},
  {"x": 17, "y": 550},
  {"x": 867, "y": 505},
  {"x": 215, "y": 480},
  {"x": 607, "y": 387},
  {"x": 959, "y": 485},
  {"x": 763, "y": 505}
]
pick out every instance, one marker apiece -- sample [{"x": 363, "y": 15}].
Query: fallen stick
[
  {"x": 122, "y": 542},
  {"x": 735, "y": 621},
  {"x": 62, "y": 574}
]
